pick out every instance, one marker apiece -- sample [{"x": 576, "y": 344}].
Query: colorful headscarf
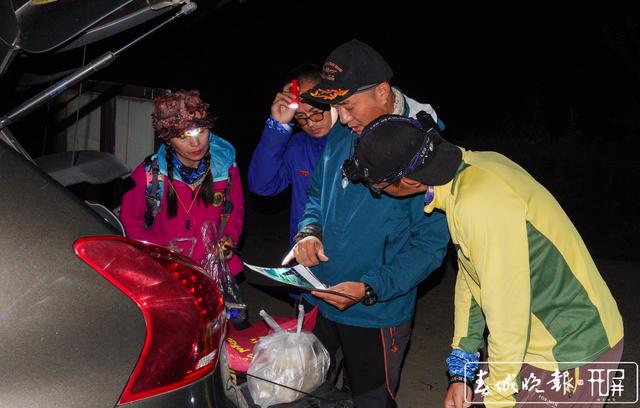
[{"x": 179, "y": 111}]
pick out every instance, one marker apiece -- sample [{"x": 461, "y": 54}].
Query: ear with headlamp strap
[{"x": 429, "y": 126}]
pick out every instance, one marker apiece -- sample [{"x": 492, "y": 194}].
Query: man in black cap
[
  {"x": 382, "y": 246},
  {"x": 523, "y": 269},
  {"x": 355, "y": 79}
]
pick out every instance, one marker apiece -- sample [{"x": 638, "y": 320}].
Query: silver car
[{"x": 89, "y": 318}]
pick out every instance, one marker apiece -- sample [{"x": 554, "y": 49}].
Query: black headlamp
[{"x": 350, "y": 169}]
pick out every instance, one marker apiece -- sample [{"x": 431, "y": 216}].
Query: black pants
[{"x": 372, "y": 358}]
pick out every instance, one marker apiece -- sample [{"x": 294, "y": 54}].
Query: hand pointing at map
[{"x": 308, "y": 251}]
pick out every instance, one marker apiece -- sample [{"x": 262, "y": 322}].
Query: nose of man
[{"x": 344, "y": 115}]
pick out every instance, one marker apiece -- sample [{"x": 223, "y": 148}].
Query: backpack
[{"x": 155, "y": 188}]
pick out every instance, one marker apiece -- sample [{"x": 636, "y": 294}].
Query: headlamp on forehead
[{"x": 193, "y": 132}]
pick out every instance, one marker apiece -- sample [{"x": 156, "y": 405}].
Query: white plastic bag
[
  {"x": 295, "y": 360},
  {"x": 216, "y": 267}
]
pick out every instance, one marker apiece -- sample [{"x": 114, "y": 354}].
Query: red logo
[{"x": 303, "y": 173}]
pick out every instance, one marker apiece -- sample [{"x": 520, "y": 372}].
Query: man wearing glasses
[
  {"x": 523, "y": 271},
  {"x": 286, "y": 158},
  {"x": 384, "y": 246}
]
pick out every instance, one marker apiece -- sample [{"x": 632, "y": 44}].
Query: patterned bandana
[
  {"x": 188, "y": 174},
  {"x": 179, "y": 111}
]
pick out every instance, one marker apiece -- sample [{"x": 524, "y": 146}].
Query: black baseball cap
[
  {"x": 394, "y": 146},
  {"x": 352, "y": 67}
]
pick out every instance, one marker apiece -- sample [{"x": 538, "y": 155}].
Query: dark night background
[{"x": 555, "y": 88}]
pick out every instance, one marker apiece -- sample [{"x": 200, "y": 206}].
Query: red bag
[{"x": 239, "y": 343}]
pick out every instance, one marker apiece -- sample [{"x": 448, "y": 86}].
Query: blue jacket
[
  {"x": 387, "y": 242},
  {"x": 282, "y": 159}
]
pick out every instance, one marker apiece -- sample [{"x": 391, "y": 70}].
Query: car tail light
[{"x": 182, "y": 307}]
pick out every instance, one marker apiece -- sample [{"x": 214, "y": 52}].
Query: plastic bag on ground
[{"x": 291, "y": 362}]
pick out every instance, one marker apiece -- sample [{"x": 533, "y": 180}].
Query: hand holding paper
[
  {"x": 299, "y": 276},
  {"x": 350, "y": 294}
]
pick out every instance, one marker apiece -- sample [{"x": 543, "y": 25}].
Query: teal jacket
[{"x": 387, "y": 242}]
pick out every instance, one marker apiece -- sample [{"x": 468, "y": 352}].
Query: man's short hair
[{"x": 304, "y": 72}]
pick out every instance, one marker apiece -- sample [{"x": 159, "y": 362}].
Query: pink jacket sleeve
[
  {"x": 236, "y": 220},
  {"x": 133, "y": 207}
]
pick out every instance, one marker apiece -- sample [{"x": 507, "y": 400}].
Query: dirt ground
[{"x": 423, "y": 382}]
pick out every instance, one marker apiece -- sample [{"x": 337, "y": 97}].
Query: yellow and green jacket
[{"x": 524, "y": 271}]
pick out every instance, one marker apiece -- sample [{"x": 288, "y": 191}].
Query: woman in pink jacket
[{"x": 192, "y": 178}]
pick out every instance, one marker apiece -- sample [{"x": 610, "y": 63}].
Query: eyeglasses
[
  {"x": 379, "y": 185},
  {"x": 314, "y": 117},
  {"x": 378, "y": 188}
]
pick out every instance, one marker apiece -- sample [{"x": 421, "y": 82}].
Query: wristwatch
[{"x": 370, "y": 296}]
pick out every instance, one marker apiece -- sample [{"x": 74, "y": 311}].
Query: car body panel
[
  {"x": 46, "y": 25},
  {"x": 135, "y": 13},
  {"x": 202, "y": 393},
  {"x": 68, "y": 337},
  {"x": 8, "y": 34}
]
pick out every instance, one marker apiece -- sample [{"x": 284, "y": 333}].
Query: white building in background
[{"x": 107, "y": 117}]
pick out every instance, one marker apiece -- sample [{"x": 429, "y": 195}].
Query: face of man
[
  {"x": 358, "y": 110},
  {"x": 314, "y": 121}
]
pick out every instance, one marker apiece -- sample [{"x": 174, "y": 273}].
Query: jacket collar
[{"x": 223, "y": 156}]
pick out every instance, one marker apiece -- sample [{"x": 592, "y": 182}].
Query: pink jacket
[{"x": 164, "y": 229}]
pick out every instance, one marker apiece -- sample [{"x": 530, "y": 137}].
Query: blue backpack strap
[
  {"x": 153, "y": 191},
  {"x": 227, "y": 205}
]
